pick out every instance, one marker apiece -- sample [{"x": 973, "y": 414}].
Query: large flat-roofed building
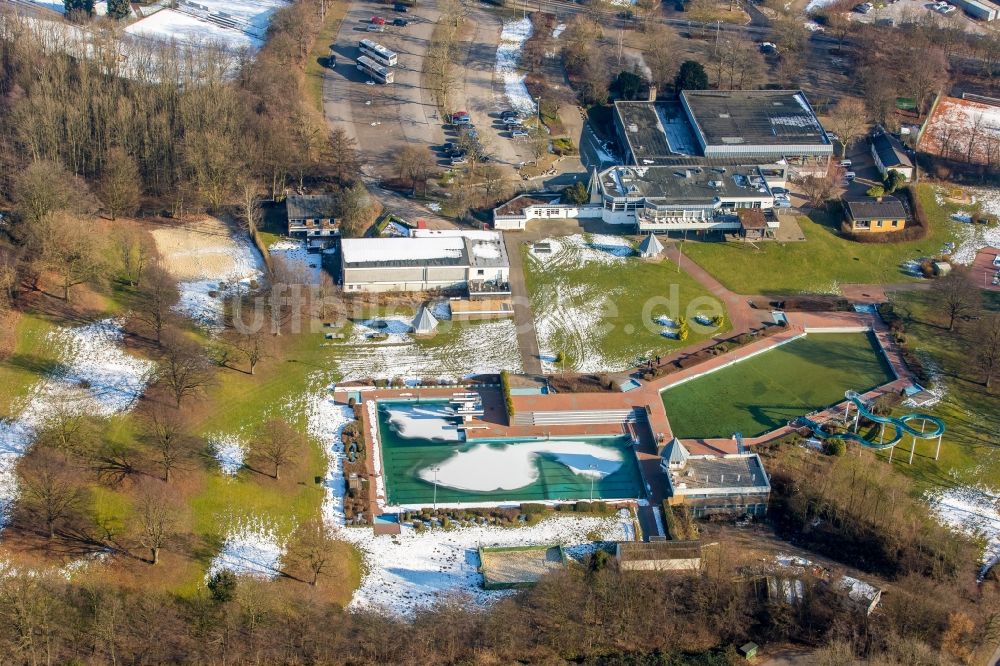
[
  {"x": 693, "y": 198},
  {"x": 473, "y": 261},
  {"x": 728, "y": 484},
  {"x": 726, "y": 127}
]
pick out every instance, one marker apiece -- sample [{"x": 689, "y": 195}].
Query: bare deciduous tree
[
  {"x": 119, "y": 186},
  {"x": 312, "y": 548},
  {"x": 278, "y": 444},
  {"x": 157, "y": 295},
  {"x": 168, "y": 435},
  {"x": 50, "y": 492},
  {"x": 156, "y": 517},
  {"x": 849, "y": 119},
  {"x": 185, "y": 369},
  {"x": 134, "y": 253},
  {"x": 987, "y": 346},
  {"x": 74, "y": 254},
  {"x": 955, "y": 295}
]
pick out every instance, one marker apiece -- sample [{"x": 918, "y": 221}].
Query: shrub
[
  {"x": 834, "y": 447},
  {"x": 529, "y": 509},
  {"x": 222, "y": 585},
  {"x": 507, "y": 399},
  {"x": 583, "y": 507}
]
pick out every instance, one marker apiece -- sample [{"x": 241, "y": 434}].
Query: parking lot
[
  {"x": 383, "y": 118},
  {"x": 915, "y": 11}
]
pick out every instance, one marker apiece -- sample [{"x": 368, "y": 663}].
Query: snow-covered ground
[
  {"x": 230, "y": 451},
  {"x": 206, "y": 260},
  {"x": 100, "y": 8},
  {"x": 415, "y": 569},
  {"x": 971, "y": 238},
  {"x": 325, "y": 421},
  {"x": 471, "y": 348},
  {"x": 974, "y": 511},
  {"x": 570, "y": 313},
  {"x": 252, "y": 547},
  {"x": 512, "y": 39},
  {"x": 488, "y": 467},
  {"x": 298, "y": 259},
  {"x": 94, "y": 376},
  {"x": 233, "y": 24}
]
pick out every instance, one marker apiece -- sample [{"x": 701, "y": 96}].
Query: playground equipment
[{"x": 900, "y": 424}]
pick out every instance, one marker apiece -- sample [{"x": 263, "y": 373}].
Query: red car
[{"x": 378, "y": 20}]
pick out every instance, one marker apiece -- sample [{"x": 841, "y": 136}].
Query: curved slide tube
[{"x": 900, "y": 425}]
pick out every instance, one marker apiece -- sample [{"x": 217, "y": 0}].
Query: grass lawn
[
  {"x": 32, "y": 358},
  {"x": 315, "y": 63},
  {"x": 970, "y": 449},
  {"x": 601, "y": 314},
  {"x": 824, "y": 260},
  {"x": 766, "y": 391}
]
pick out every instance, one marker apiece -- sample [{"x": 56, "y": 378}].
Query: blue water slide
[{"x": 900, "y": 425}]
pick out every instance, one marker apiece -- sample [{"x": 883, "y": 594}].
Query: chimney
[{"x": 652, "y": 93}]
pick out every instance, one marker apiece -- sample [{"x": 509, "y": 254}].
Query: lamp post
[
  {"x": 436, "y": 487},
  {"x": 593, "y": 475}
]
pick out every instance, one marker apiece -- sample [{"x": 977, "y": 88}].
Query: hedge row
[{"x": 508, "y": 401}]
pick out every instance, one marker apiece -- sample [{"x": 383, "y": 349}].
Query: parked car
[
  {"x": 509, "y": 114},
  {"x": 450, "y": 148},
  {"x": 947, "y": 9},
  {"x": 782, "y": 203},
  {"x": 400, "y": 22},
  {"x": 779, "y": 191},
  {"x": 459, "y": 158},
  {"x": 468, "y": 130},
  {"x": 996, "y": 260},
  {"x": 768, "y": 47},
  {"x": 850, "y": 175},
  {"x": 461, "y": 118},
  {"x": 518, "y": 134},
  {"x": 375, "y": 27},
  {"x": 401, "y": 8},
  {"x": 996, "y": 278},
  {"x": 845, "y": 163},
  {"x": 377, "y": 20}
]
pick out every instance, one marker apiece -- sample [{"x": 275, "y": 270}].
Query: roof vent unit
[
  {"x": 723, "y": 115},
  {"x": 632, "y": 127},
  {"x": 715, "y": 183}
]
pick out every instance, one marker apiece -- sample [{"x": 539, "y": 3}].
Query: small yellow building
[{"x": 874, "y": 215}]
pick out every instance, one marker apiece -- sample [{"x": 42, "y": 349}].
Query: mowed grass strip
[
  {"x": 768, "y": 390},
  {"x": 824, "y": 260}
]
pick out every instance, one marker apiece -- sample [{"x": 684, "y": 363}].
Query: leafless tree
[
  {"x": 170, "y": 439},
  {"x": 50, "y": 491},
  {"x": 134, "y": 253},
  {"x": 415, "y": 164},
  {"x": 119, "y": 186},
  {"x": 313, "y": 548},
  {"x": 156, "y": 517},
  {"x": 955, "y": 295},
  {"x": 185, "y": 369},
  {"x": 74, "y": 254},
  {"x": 278, "y": 444},
  {"x": 250, "y": 209},
  {"x": 255, "y": 346},
  {"x": 67, "y": 429},
  {"x": 662, "y": 55},
  {"x": 45, "y": 187},
  {"x": 849, "y": 119},
  {"x": 157, "y": 295},
  {"x": 820, "y": 188},
  {"x": 987, "y": 346}
]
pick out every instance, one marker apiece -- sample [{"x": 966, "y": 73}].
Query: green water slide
[{"x": 901, "y": 426}]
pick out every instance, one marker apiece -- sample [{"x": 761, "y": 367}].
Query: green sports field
[{"x": 766, "y": 391}]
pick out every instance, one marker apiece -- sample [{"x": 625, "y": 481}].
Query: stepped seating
[{"x": 588, "y": 417}]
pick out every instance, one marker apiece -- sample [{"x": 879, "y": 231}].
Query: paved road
[{"x": 527, "y": 340}]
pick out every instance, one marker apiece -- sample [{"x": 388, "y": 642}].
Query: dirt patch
[{"x": 201, "y": 249}]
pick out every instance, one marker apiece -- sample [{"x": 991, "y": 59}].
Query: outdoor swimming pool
[
  {"x": 766, "y": 391},
  {"x": 421, "y": 449}
]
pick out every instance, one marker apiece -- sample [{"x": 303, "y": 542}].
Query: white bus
[
  {"x": 377, "y": 52},
  {"x": 374, "y": 70}
]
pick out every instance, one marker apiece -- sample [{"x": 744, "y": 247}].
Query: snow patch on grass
[
  {"x": 512, "y": 39},
  {"x": 972, "y": 510},
  {"x": 93, "y": 376},
  {"x": 578, "y": 249},
  {"x": 458, "y": 349},
  {"x": 252, "y": 547},
  {"x": 416, "y": 569},
  {"x": 230, "y": 451},
  {"x": 296, "y": 257},
  {"x": 325, "y": 421}
]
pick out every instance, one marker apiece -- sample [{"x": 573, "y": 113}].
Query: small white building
[
  {"x": 475, "y": 261},
  {"x": 889, "y": 155}
]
